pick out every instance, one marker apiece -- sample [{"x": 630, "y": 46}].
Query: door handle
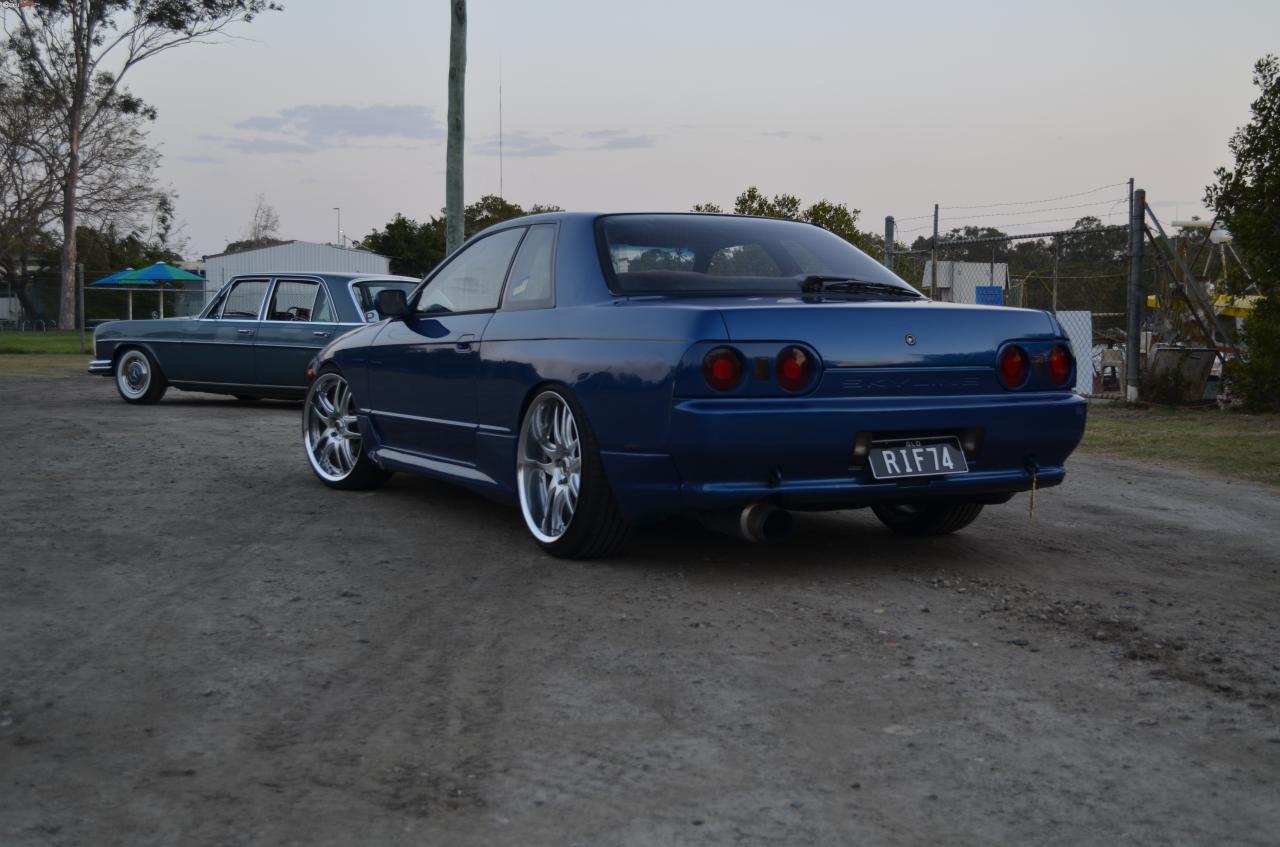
[
  {"x": 463, "y": 343},
  {"x": 245, "y": 331},
  {"x": 319, "y": 334}
]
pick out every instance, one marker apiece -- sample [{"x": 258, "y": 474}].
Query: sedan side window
[
  {"x": 323, "y": 311},
  {"x": 530, "y": 284},
  {"x": 244, "y": 299},
  {"x": 293, "y": 300},
  {"x": 472, "y": 281}
]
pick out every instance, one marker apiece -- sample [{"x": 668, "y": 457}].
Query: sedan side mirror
[{"x": 391, "y": 303}]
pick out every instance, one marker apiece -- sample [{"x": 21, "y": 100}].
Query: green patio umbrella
[
  {"x": 152, "y": 275},
  {"x": 159, "y": 272}
]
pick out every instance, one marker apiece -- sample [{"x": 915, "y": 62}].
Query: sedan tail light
[
  {"x": 1059, "y": 365},
  {"x": 1013, "y": 367},
  {"x": 794, "y": 369},
  {"x": 723, "y": 368}
]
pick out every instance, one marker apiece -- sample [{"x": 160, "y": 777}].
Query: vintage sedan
[
  {"x": 607, "y": 371},
  {"x": 253, "y": 340}
]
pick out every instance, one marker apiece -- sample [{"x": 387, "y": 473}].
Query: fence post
[
  {"x": 1057, "y": 254},
  {"x": 80, "y": 301},
  {"x": 933, "y": 256},
  {"x": 888, "y": 242},
  {"x": 1133, "y": 330}
]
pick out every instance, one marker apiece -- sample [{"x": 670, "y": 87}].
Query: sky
[{"x": 886, "y": 107}]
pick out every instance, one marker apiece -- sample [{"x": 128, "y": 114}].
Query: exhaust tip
[{"x": 761, "y": 522}]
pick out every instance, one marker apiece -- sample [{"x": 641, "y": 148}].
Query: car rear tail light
[
  {"x": 794, "y": 368},
  {"x": 1059, "y": 365},
  {"x": 723, "y": 369},
  {"x": 1013, "y": 367}
]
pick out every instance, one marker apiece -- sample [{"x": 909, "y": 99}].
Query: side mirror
[{"x": 391, "y": 303}]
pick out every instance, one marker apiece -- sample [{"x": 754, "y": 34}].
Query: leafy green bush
[{"x": 1257, "y": 380}]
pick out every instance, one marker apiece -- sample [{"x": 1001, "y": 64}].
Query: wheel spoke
[{"x": 547, "y": 514}]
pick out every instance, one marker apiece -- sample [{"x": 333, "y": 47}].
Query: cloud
[
  {"x": 200, "y": 159},
  {"x": 526, "y": 145},
  {"x": 779, "y": 133},
  {"x": 519, "y": 145},
  {"x": 314, "y": 127},
  {"x": 625, "y": 142},
  {"x": 268, "y": 145}
]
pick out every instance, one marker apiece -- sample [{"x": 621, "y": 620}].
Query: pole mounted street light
[{"x": 338, "y": 209}]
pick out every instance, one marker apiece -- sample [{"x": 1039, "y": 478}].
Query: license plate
[{"x": 917, "y": 457}]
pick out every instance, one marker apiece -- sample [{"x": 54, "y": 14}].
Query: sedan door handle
[
  {"x": 245, "y": 331},
  {"x": 463, "y": 343},
  {"x": 319, "y": 334}
]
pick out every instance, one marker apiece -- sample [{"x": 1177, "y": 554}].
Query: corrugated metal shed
[{"x": 293, "y": 257}]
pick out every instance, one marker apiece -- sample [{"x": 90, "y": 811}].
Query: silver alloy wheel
[
  {"x": 549, "y": 467},
  {"x": 133, "y": 374},
  {"x": 329, "y": 428}
]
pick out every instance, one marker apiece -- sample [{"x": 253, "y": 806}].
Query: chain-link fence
[
  {"x": 1081, "y": 275},
  {"x": 36, "y": 304}
]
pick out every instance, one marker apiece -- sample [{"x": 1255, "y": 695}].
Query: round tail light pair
[
  {"x": 1015, "y": 366},
  {"x": 724, "y": 368}
]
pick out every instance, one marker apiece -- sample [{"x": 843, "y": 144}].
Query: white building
[
  {"x": 292, "y": 257},
  {"x": 958, "y": 282}
]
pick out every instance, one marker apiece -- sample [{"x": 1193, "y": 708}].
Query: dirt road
[{"x": 199, "y": 644}]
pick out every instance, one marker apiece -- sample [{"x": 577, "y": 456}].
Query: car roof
[{"x": 332, "y": 275}]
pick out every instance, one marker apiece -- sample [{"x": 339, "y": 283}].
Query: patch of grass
[
  {"x": 54, "y": 341},
  {"x": 42, "y": 364},
  {"x": 1227, "y": 444}
]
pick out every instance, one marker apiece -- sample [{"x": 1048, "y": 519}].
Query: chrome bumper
[{"x": 100, "y": 367}]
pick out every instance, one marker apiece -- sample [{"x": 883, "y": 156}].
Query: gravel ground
[{"x": 199, "y": 644}]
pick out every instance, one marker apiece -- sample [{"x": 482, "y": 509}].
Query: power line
[
  {"x": 1045, "y": 200},
  {"x": 1113, "y": 203}
]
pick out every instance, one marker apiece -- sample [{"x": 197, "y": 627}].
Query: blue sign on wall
[{"x": 989, "y": 295}]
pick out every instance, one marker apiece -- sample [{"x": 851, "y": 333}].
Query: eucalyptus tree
[{"x": 75, "y": 55}]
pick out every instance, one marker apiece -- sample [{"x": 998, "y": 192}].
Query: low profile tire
[
  {"x": 138, "y": 377},
  {"x": 927, "y": 518},
  {"x": 565, "y": 498},
  {"x": 247, "y": 398},
  {"x": 331, "y": 436}
]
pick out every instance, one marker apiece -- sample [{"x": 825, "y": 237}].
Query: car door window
[
  {"x": 322, "y": 311},
  {"x": 244, "y": 300},
  {"x": 293, "y": 300},
  {"x": 472, "y": 281},
  {"x": 529, "y": 286}
]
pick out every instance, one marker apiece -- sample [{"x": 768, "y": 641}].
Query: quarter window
[
  {"x": 293, "y": 300},
  {"x": 472, "y": 281},
  {"x": 244, "y": 300},
  {"x": 529, "y": 286},
  {"x": 323, "y": 311}
]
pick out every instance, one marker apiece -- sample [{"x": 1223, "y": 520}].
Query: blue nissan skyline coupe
[{"x": 606, "y": 371}]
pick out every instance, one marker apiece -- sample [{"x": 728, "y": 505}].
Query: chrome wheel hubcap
[
  {"x": 330, "y": 429},
  {"x": 549, "y": 467},
  {"x": 133, "y": 374}
]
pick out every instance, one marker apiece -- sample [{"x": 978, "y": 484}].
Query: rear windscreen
[{"x": 724, "y": 253}]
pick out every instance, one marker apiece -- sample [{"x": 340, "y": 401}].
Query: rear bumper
[
  {"x": 798, "y": 453},
  {"x": 100, "y": 367}
]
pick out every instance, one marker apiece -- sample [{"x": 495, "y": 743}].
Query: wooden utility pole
[{"x": 455, "y": 231}]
